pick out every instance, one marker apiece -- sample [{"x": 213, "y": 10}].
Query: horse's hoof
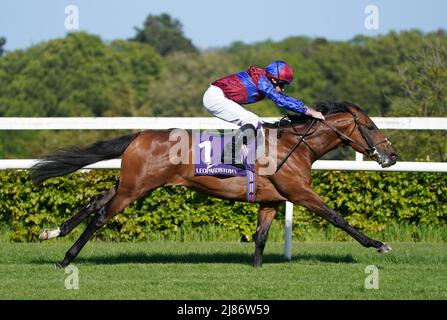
[
  {"x": 384, "y": 248},
  {"x": 44, "y": 235},
  {"x": 59, "y": 265},
  {"x": 49, "y": 234}
]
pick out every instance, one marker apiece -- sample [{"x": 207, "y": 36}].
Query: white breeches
[{"x": 218, "y": 105}]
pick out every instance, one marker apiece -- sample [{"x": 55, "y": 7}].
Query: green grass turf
[{"x": 216, "y": 270}]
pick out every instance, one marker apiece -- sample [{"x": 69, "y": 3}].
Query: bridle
[{"x": 370, "y": 150}]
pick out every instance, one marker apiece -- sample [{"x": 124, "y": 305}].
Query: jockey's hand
[{"x": 314, "y": 114}]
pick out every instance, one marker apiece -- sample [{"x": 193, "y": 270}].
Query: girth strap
[{"x": 251, "y": 186}]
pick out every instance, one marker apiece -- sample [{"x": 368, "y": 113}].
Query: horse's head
[{"x": 363, "y": 135}]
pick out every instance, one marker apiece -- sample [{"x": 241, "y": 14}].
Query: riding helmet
[{"x": 280, "y": 70}]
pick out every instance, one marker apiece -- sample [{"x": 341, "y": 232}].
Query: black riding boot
[{"x": 236, "y": 154}]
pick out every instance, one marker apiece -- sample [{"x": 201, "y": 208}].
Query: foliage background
[
  {"x": 370, "y": 201},
  {"x": 159, "y": 72}
]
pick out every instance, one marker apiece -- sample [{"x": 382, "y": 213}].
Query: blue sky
[{"x": 218, "y": 23}]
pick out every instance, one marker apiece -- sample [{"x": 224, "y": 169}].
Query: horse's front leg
[
  {"x": 267, "y": 212},
  {"x": 311, "y": 200}
]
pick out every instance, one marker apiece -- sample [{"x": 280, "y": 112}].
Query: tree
[
  {"x": 178, "y": 92},
  {"x": 423, "y": 83},
  {"x": 78, "y": 75},
  {"x": 2, "y": 43},
  {"x": 165, "y": 35}
]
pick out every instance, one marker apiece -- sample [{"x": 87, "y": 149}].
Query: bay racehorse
[{"x": 145, "y": 166}]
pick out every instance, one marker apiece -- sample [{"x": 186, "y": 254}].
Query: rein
[
  {"x": 302, "y": 136},
  {"x": 370, "y": 150}
]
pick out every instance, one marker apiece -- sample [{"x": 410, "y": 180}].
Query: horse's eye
[{"x": 370, "y": 127}]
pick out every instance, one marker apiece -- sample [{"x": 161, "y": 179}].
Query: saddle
[{"x": 211, "y": 158}]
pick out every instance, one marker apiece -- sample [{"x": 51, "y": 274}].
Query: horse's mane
[
  {"x": 329, "y": 107},
  {"x": 325, "y": 107}
]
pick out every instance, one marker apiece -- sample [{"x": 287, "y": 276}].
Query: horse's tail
[{"x": 72, "y": 158}]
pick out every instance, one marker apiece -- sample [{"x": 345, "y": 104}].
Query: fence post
[
  {"x": 358, "y": 156},
  {"x": 288, "y": 231}
]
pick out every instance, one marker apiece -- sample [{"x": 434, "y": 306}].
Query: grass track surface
[{"x": 206, "y": 270}]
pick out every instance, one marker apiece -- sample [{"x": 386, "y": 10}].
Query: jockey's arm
[{"x": 283, "y": 101}]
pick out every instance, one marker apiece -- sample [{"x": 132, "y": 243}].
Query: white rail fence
[{"x": 118, "y": 123}]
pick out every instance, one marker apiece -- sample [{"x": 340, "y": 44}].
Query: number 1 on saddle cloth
[{"x": 224, "y": 154}]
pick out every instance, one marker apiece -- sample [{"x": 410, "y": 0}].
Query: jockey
[{"x": 225, "y": 97}]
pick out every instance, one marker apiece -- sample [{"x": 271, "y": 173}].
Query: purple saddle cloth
[{"x": 207, "y": 153}]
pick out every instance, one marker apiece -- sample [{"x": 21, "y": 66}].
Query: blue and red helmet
[{"x": 280, "y": 70}]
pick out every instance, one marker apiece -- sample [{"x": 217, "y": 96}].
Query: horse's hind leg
[
  {"x": 120, "y": 200},
  {"x": 94, "y": 205},
  {"x": 267, "y": 213},
  {"x": 140, "y": 174}
]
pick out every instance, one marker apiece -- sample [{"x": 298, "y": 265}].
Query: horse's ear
[
  {"x": 352, "y": 108},
  {"x": 324, "y": 110},
  {"x": 322, "y": 107}
]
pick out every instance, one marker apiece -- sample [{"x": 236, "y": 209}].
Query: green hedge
[{"x": 368, "y": 200}]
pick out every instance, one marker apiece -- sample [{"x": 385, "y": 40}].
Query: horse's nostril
[{"x": 394, "y": 156}]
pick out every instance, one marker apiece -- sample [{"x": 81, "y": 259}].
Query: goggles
[{"x": 281, "y": 83}]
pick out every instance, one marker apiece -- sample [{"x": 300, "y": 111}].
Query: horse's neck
[
  {"x": 324, "y": 140},
  {"x": 319, "y": 142}
]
